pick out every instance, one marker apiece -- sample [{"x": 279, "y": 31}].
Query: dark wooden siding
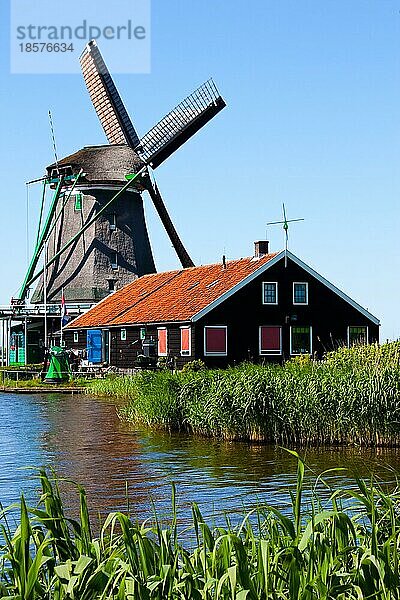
[
  {"x": 243, "y": 313},
  {"x": 123, "y": 353},
  {"x": 69, "y": 339}
]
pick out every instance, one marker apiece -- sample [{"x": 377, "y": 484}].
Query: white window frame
[
  {"x": 300, "y": 283},
  {"x": 366, "y": 333},
  {"x": 76, "y": 337},
  {"x": 205, "y": 340},
  {"x": 276, "y": 293},
  {"x": 166, "y": 341},
  {"x": 311, "y": 342},
  {"x": 114, "y": 263},
  {"x": 269, "y": 352},
  {"x": 113, "y": 222},
  {"x": 123, "y": 335},
  {"x": 185, "y": 352}
]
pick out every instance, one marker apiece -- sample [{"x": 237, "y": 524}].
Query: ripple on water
[{"x": 83, "y": 440}]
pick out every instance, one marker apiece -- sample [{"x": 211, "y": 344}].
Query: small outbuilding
[{"x": 268, "y": 307}]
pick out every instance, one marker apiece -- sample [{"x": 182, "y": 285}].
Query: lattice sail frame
[
  {"x": 167, "y": 135},
  {"x": 106, "y": 100},
  {"x": 181, "y": 123},
  {"x": 162, "y": 140}
]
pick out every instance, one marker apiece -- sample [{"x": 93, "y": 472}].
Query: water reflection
[{"x": 83, "y": 439}]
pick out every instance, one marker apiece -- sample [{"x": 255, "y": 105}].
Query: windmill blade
[
  {"x": 106, "y": 100},
  {"x": 158, "y": 202},
  {"x": 180, "y": 124}
]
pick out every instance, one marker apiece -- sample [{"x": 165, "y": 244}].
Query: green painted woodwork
[
  {"x": 59, "y": 369},
  {"x": 78, "y": 202},
  {"x": 39, "y": 245}
]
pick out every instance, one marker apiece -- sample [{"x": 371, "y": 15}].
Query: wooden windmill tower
[{"x": 95, "y": 236}]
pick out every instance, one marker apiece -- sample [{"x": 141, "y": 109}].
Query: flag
[{"x": 64, "y": 312}]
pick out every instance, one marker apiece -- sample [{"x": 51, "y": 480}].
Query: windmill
[{"x": 95, "y": 233}]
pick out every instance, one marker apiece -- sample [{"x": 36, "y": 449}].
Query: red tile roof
[{"x": 170, "y": 296}]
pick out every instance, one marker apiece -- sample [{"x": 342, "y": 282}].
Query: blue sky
[{"x": 313, "y": 91}]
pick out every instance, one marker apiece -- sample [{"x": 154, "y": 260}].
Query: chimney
[{"x": 261, "y": 248}]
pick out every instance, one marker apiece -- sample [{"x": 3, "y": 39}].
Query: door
[{"x": 94, "y": 346}]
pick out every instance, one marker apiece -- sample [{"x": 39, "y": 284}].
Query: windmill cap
[{"x": 102, "y": 164}]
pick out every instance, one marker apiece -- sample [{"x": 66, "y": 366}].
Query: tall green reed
[
  {"x": 345, "y": 547},
  {"x": 352, "y": 396}
]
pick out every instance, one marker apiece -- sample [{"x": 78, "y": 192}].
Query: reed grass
[
  {"x": 352, "y": 396},
  {"x": 345, "y": 547}
]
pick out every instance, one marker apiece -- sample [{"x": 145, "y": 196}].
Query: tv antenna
[{"x": 285, "y": 224}]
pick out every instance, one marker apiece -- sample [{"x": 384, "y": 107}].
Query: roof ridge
[{"x": 232, "y": 260}]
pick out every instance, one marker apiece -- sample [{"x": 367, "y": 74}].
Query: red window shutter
[
  {"x": 270, "y": 339},
  {"x": 162, "y": 342},
  {"x": 185, "y": 339},
  {"x": 216, "y": 340}
]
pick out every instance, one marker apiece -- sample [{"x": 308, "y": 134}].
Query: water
[{"x": 83, "y": 440}]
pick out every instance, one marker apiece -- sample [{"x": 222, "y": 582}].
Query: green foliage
[
  {"x": 194, "y": 365},
  {"x": 345, "y": 547},
  {"x": 350, "y": 397}
]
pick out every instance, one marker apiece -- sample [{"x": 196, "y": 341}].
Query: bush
[{"x": 193, "y": 366}]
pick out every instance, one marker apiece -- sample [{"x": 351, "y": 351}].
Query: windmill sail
[
  {"x": 106, "y": 99},
  {"x": 162, "y": 140},
  {"x": 180, "y": 124},
  {"x": 158, "y": 202}
]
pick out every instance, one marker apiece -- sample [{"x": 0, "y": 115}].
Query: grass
[
  {"x": 350, "y": 397},
  {"x": 320, "y": 550},
  {"x": 35, "y": 382}
]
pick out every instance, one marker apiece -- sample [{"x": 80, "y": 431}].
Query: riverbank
[
  {"x": 348, "y": 549},
  {"x": 350, "y": 397},
  {"x": 34, "y": 385}
]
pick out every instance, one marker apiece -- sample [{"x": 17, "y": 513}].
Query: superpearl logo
[{"x": 48, "y": 36}]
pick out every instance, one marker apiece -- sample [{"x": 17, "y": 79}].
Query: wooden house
[{"x": 268, "y": 307}]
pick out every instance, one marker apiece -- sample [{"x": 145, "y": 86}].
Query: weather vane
[{"x": 285, "y": 224}]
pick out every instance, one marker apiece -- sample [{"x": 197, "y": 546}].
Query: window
[
  {"x": 215, "y": 341},
  {"x": 113, "y": 222},
  {"x": 357, "y": 335},
  {"x": 162, "y": 341},
  {"x": 123, "y": 335},
  {"x": 300, "y": 340},
  {"x": 114, "y": 261},
  {"x": 300, "y": 293},
  {"x": 270, "y": 292},
  {"x": 186, "y": 341},
  {"x": 76, "y": 337},
  {"x": 78, "y": 202},
  {"x": 270, "y": 339}
]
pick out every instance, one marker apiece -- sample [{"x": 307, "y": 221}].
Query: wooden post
[
  {"x": 2, "y": 343},
  {"x": 8, "y": 339},
  {"x": 26, "y": 340},
  {"x": 45, "y": 294}
]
